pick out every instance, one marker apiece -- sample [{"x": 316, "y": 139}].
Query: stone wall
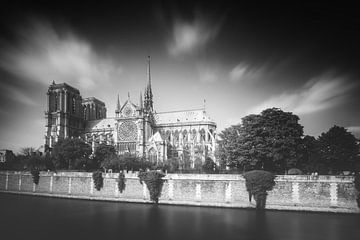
[{"x": 320, "y": 193}]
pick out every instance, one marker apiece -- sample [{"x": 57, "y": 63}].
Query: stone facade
[{"x": 136, "y": 129}]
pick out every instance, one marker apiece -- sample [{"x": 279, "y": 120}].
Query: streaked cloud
[
  {"x": 209, "y": 72},
  {"x": 320, "y": 93},
  {"x": 243, "y": 72},
  {"x": 16, "y": 94},
  {"x": 44, "y": 53},
  {"x": 190, "y": 36}
]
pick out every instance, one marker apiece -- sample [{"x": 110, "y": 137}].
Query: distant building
[{"x": 136, "y": 129}]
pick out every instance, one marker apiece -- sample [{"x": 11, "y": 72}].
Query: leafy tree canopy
[
  {"x": 308, "y": 155},
  {"x": 105, "y": 156},
  {"x": 263, "y": 141},
  {"x": 71, "y": 153},
  {"x": 338, "y": 149}
]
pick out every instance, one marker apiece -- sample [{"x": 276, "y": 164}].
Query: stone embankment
[{"x": 301, "y": 193}]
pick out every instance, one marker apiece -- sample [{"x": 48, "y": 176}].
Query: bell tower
[{"x": 64, "y": 114}]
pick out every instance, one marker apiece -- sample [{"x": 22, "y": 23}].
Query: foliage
[
  {"x": 198, "y": 163},
  {"x": 357, "y": 187},
  {"x": 112, "y": 161},
  {"x": 98, "y": 180},
  {"x": 172, "y": 164},
  {"x": 35, "y": 175},
  {"x": 357, "y": 182},
  {"x": 121, "y": 182},
  {"x": 266, "y": 141},
  {"x": 338, "y": 150},
  {"x": 154, "y": 182},
  {"x": 295, "y": 171},
  {"x": 209, "y": 166},
  {"x": 27, "y": 151},
  {"x": 258, "y": 182},
  {"x": 72, "y": 153},
  {"x": 308, "y": 155},
  {"x": 105, "y": 156}
]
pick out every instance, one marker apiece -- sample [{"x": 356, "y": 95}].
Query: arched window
[
  {"x": 202, "y": 135},
  {"x": 193, "y": 135},
  {"x": 185, "y": 136},
  {"x": 168, "y": 135},
  {"x": 56, "y": 102},
  {"x": 176, "y": 136},
  {"x": 85, "y": 112},
  {"x": 73, "y": 104},
  {"x": 152, "y": 155}
]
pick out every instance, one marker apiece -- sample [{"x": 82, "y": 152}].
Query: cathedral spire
[
  {"x": 118, "y": 106},
  {"x": 149, "y": 74},
  {"x": 148, "y": 91}
]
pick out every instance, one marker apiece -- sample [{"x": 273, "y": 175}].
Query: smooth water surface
[{"x": 31, "y": 217}]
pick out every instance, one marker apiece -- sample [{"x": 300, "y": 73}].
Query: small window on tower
[
  {"x": 73, "y": 104},
  {"x": 55, "y": 102}
]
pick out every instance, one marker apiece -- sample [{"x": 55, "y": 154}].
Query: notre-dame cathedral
[{"x": 136, "y": 129}]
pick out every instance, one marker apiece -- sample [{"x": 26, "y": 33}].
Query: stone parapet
[{"x": 326, "y": 193}]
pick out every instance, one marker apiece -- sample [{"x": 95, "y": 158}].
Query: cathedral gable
[{"x": 129, "y": 109}]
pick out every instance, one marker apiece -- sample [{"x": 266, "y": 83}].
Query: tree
[
  {"x": 113, "y": 162},
  {"x": 172, "y": 164},
  {"x": 266, "y": 141},
  {"x": 105, "y": 156},
  {"x": 338, "y": 150},
  {"x": 27, "y": 151},
  {"x": 308, "y": 157},
  {"x": 229, "y": 151},
  {"x": 71, "y": 153}
]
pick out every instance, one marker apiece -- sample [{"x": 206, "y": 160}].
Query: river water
[{"x": 31, "y": 217}]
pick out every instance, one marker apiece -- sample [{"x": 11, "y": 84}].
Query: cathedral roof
[
  {"x": 156, "y": 138},
  {"x": 54, "y": 86},
  {"x": 92, "y": 99},
  {"x": 100, "y": 124},
  {"x": 185, "y": 116}
]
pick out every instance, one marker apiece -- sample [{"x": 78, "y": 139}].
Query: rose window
[{"x": 127, "y": 131}]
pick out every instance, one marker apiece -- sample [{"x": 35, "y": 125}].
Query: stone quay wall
[{"x": 301, "y": 193}]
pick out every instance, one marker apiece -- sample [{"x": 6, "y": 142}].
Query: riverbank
[{"x": 334, "y": 194}]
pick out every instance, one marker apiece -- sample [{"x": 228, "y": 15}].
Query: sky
[{"x": 240, "y": 58}]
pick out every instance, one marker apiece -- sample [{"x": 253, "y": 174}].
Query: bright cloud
[
  {"x": 355, "y": 130},
  {"x": 44, "y": 54},
  {"x": 317, "y": 94},
  {"x": 191, "y": 36}
]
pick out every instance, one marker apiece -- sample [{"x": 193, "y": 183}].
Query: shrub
[
  {"x": 98, "y": 180},
  {"x": 258, "y": 182},
  {"x": 295, "y": 171},
  {"x": 357, "y": 187},
  {"x": 154, "y": 183},
  {"x": 121, "y": 182},
  {"x": 35, "y": 175}
]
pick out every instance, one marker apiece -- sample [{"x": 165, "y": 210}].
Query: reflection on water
[{"x": 24, "y": 217}]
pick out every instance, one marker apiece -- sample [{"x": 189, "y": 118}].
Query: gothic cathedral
[{"x": 136, "y": 129}]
